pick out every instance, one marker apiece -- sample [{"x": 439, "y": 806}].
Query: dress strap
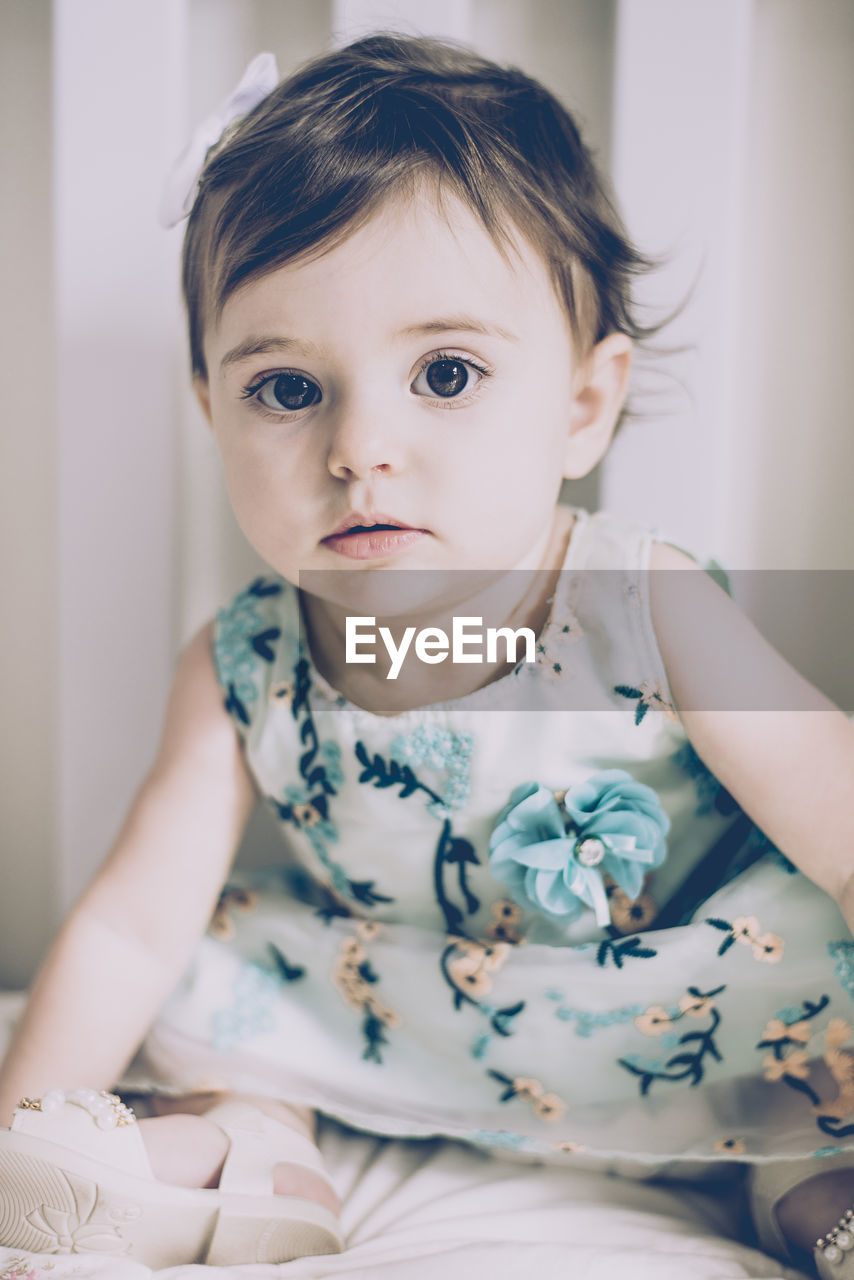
[{"x": 604, "y": 585}]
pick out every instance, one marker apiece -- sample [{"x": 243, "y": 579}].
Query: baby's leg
[{"x": 187, "y": 1149}]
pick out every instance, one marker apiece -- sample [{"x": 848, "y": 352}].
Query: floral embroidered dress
[{"x": 537, "y": 929}]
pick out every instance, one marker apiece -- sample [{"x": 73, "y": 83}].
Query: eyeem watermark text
[{"x": 468, "y": 642}]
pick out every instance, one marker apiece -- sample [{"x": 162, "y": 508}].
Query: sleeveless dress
[{"x": 534, "y": 928}]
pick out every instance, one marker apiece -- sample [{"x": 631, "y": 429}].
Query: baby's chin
[{"x": 414, "y": 596}]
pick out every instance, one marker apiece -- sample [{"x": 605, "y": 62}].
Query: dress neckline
[{"x": 486, "y": 695}]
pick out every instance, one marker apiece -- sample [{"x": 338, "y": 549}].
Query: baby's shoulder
[
  {"x": 256, "y": 644},
  {"x": 611, "y": 539}
]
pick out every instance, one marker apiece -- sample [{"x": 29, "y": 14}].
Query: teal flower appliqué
[{"x": 552, "y": 852}]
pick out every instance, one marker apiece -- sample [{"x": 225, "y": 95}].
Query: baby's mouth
[
  {"x": 357, "y": 523},
  {"x": 361, "y": 537},
  {"x": 372, "y": 528}
]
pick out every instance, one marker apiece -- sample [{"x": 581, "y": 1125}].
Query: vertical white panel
[
  {"x": 28, "y": 569},
  {"x": 681, "y": 130},
  {"x": 792, "y": 482},
  {"x": 211, "y": 556},
  {"x": 118, "y": 113}
]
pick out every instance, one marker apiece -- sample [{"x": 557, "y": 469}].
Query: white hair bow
[{"x": 179, "y": 191}]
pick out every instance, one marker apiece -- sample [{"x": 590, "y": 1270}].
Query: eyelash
[{"x": 250, "y": 392}]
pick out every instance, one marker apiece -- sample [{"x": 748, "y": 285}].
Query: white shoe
[
  {"x": 75, "y": 1178},
  {"x": 767, "y": 1184}
]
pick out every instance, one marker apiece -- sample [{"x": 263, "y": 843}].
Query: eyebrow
[
  {"x": 253, "y": 346},
  {"x": 458, "y": 324},
  {"x": 263, "y": 346}
]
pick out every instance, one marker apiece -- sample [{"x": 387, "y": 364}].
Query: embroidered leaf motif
[
  {"x": 501, "y": 1019},
  {"x": 462, "y": 853},
  {"x": 290, "y": 972},
  {"x": 333, "y": 909},
  {"x": 627, "y": 949},
  {"x": 321, "y": 804},
  {"x": 261, "y": 643},
  {"x": 794, "y": 1082},
  {"x": 260, "y": 588},
  {"x": 389, "y": 775},
  {"x": 364, "y": 891},
  {"x": 829, "y": 1124},
  {"x": 374, "y": 1031},
  {"x": 234, "y": 706},
  {"x": 381, "y": 774},
  {"x": 726, "y": 928},
  {"x": 683, "y": 1065},
  {"x": 628, "y": 691}
]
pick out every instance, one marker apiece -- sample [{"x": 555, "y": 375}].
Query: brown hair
[{"x": 313, "y": 161}]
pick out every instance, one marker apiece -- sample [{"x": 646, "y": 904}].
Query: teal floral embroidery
[
  {"x": 745, "y": 929},
  {"x": 240, "y": 640},
  {"x": 619, "y": 949},
  {"x": 643, "y": 1066},
  {"x": 649, "y": 694},
  {"x": 587, "y": 1022},
  {"x": 306, "y": 804},
  {"x": 788, "y": 1062},
  {"x": 500, "y": 1022},
  {"x": 546, "y": 1106},
  {"x": 252, "y": 1012},
  {"x": 306, "y": 814},
  {"x": 828, "y": 1151},
  {"x": 468, "y": 966},
  {"x": 695, "y": 1047},
  {"x": 711, "y": 794},
  {"x": 290, "y": 972},
  {"x": 439, "y": 749},
  {"x": 499, "y": 1138},
  {"x": 553, "y": 851},
  {"x": 451, "y": 850},
  {"x": 357, "y": 981},
  {"x": 552, "y": 649},
  {"x": 481, "y": 1045},
  {"x": 842, "y": 953}
]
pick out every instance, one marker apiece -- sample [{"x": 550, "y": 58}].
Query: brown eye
[
  {"x": 288, "y": 392},
  {"x": 446, "y": 378}
]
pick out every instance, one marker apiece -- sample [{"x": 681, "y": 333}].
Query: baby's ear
[
  {"x": 602, "y": 381},
  {"x": 203, "y": 395}
]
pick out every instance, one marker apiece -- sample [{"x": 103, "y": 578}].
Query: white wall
[{"x": 726, "y": 123}]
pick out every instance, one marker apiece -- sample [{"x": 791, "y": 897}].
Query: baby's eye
[
  {"x": 446, "y": 377},
  {"x": 286, "y": 392}
]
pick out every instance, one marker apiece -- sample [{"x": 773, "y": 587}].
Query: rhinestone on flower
[{"x": 590, "y": 851}]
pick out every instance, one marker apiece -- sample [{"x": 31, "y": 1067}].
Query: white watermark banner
[{"x": 590, "y": 640}]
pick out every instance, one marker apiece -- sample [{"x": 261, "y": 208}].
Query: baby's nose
[{"x": 365, "y": 444}]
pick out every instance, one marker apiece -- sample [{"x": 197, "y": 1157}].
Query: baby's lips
[{"x": 358, "y": 519}]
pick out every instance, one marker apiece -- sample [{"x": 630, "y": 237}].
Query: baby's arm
[
  {"x": 126, "y": 942},
  {"x": 792, "y": 771}
]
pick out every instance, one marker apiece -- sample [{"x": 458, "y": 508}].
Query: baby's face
[{"x": 410, "y": 376}]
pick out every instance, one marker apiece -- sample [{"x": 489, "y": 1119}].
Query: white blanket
[{"x": 440, "y": 1211}]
